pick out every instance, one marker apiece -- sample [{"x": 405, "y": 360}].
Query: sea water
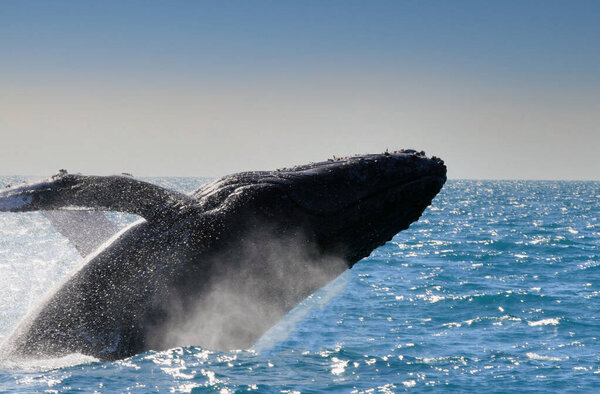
[{"x": 495, "y": 288}]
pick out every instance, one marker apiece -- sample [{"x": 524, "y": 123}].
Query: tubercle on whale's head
[{"x": 347, "y": 206}]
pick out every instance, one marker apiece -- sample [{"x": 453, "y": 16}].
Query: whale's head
[{"x": 345, "y": 206}]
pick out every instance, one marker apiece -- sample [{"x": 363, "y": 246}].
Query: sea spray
[
  {"x": 320, "y": 299},
  {"x": 250, "y": 296}
]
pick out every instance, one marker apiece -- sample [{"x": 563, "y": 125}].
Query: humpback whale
[{"x": 220, "y": 266}]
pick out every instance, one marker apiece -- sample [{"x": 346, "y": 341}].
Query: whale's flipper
[
  {"x": 86, "y": 230},
  {"x": 94, "y": 193}
]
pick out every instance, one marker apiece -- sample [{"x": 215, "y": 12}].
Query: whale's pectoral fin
[
  {"x": 94, "y": 193},
  {"x": 86, "y": 230}
]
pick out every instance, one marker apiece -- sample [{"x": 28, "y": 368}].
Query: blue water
[{"x": 495, "y": 288}]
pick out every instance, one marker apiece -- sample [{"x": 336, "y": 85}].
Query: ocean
[{"x": 495, "y": 288}]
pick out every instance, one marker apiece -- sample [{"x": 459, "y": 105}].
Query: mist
[{"x": 271, "y": 276}]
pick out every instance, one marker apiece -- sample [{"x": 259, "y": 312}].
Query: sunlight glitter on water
[{"x": 490, "y": 290}]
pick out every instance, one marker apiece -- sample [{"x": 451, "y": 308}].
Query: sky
[{"x": 498, "y": 89}]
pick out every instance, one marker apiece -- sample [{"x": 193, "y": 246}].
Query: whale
[{"x": 214, "y": 268}]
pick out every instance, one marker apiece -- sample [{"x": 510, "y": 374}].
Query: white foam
[
  {"x": 535, "y": 356},
  {"x": 46, "y": 364},
  {"x": 544, "y": 322}
]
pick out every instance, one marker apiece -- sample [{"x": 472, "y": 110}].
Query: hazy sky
[{"x": 504, "y": 89}]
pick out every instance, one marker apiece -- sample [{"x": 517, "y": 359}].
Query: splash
[
  {"x": 321, "y": 298},
  {"x": 257, "y": 285},
  {"x": 46, "y": 364}
]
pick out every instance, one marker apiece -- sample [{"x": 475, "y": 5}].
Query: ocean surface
[{"x": 496, "y": 288}]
